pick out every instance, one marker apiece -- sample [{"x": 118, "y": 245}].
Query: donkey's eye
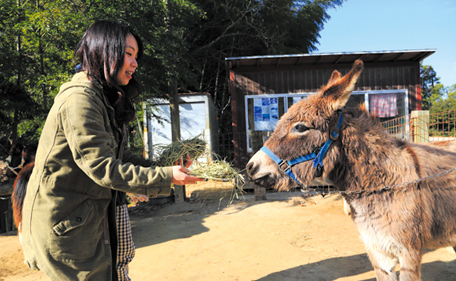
[{"x": 300, "y": 128}]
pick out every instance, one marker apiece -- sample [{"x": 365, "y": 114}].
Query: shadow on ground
[
  {"x": 329, "y": 269},
  {"x": 188, "y": 216},
  {"x": 350, "y": 267}
]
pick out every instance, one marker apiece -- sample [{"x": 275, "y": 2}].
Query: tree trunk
[
  {"x": 43, "y": 74},
  {"x": 18, "y": 83},
  {"x": 174, "y": 110}
]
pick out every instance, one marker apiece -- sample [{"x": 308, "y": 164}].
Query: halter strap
[{"x": 317, "y": 156}]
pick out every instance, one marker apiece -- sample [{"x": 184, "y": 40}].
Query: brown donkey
[
  {"x": 402, "y": 195},
  {"x": 20, "y": 189}
]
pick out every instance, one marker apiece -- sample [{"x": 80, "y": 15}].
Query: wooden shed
[{"x": 262, "y": 88}]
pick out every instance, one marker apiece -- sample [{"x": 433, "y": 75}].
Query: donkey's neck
[{"x": 370, "y": 158}]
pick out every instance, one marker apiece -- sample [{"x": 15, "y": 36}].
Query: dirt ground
[{"x": 286, "y": 237}]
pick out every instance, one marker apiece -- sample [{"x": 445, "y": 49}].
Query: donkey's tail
[{"x": 20, "y": 189}]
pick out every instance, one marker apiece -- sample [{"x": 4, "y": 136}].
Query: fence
[{"x": 422, "y": 126}]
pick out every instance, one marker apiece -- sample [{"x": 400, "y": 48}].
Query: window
[
  {"x": 388, "y": 105},
  {"x": 263, "y": 111}
]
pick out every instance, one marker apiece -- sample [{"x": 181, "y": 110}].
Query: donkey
[
  {"x": 17, "y": 198},
  {"x": 402, "y": 195},
  {"x": 20, "y": 184}
]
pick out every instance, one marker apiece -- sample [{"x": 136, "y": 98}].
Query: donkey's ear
[
  {"x": 334, "y": 77},
  {"x": 338, "y": 90}
]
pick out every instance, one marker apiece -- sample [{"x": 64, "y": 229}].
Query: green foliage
[
  {"x": 443, "y": 99},
  {"x": 30, "y": 129},
  {"x": 435, "y": 97},
  {"x": 429, "y": 80},
  {"x": 440, "y": 101},
  {"x": 35, "y": 55},
  {"x": 16, "y": 104},
  {"x": 232, "y": 28}
]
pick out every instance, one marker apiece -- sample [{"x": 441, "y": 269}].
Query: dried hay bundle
[
  {"x": 169, "y": 154},
  {"x": 218, "y": 170}
]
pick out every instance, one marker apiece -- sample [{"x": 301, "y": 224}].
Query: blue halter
[{"x": 317, "y": 155}]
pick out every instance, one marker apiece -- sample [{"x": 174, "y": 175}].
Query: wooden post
[
  {"x": 260, "y": 193},
  {"x": 179, "y": 193},
  {"x": 420, "y": 123}
]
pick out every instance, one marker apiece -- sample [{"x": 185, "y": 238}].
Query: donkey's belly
[
  {"x": 392, "y": 232},
  {"x": 449, "y": 241}
]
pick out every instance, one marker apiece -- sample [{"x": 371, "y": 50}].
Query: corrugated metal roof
[{"x": 330, "y": 58}]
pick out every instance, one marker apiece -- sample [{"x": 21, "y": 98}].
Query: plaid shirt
[{"x": 125, "y": 245}]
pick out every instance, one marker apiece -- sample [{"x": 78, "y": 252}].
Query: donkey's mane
[{"x": 366, "y": 149}]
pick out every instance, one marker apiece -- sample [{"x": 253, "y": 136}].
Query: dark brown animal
[
  {"x": 20, "y": 183},
  {"x": 20, "y": 189},
  {"x": 402, "y": 195}
]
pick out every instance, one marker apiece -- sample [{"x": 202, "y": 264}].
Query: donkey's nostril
[
  {"x": 265, "y": 181},
  {"x": 250, "y": 169}
]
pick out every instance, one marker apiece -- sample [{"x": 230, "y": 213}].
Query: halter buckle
[{"x": 284, "y": 166}]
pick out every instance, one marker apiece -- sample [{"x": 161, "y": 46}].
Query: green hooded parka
[{"x": 68, "y": 226}]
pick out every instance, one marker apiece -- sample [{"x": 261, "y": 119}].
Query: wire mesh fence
[{"x": 422, "y": 126}]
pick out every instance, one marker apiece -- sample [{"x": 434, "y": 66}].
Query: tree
[
  {"x": 443, "y": 98},
  {"x": 17, "y": 105},
  {"x": 35, "y": 56},
  {"x": 185, "y": 41},
  {"x": 443, "y": 109},
  {"x": 233, "y": 28},
  {"x": 429, "y": 80},
  {"x": 438, "y": 99}
]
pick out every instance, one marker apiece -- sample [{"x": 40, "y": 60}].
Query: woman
[{"x": 69, "y": 225}]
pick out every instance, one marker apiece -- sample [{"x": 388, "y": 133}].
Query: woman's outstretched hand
[
  {"x": 181, "y": 176},
  {"x": 180, "y": 173}
]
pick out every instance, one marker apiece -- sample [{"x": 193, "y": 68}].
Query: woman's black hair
[{"x": 101, "y": 54}]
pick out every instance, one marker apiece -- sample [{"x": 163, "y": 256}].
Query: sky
[{"x": 395, "y": 25}]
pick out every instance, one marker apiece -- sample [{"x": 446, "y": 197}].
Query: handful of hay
[
  {"x": 218, "y": 170},
  {"x": 169, "y": 154}
]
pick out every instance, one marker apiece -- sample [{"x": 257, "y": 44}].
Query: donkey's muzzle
[{"x": 265, "y": 180}]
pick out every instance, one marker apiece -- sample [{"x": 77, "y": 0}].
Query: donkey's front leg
[
  {"x": 383, "y": 265},
  {"x": 410, "y": 262}
]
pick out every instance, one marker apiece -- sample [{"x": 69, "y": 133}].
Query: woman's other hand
[{"x": 136, "y": 198}]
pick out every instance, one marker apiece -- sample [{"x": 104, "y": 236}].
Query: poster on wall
[{"x": 266, "y": 112}]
